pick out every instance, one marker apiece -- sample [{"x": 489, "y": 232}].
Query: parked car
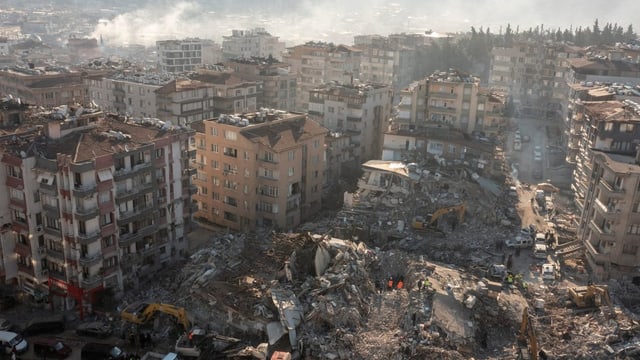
[
  {"x": 519, "y": 242},
  {"x": 537, "y": 151},
  {"x": 540, "y": 251},
  {"x": 52, "y": 324},
  {"x": 47, "y": 347},
  {"x": 548, "y": 272},
  {"x": 10, "y": 340},
  {"x": 95, "y": 329}
]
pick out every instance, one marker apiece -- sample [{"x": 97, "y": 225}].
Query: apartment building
[
  {"x": 533, "y": 73},
  {"x": 92, "y": 202},
  {"x": 361, "y": 111},
  {"x": 318, "y": 63},
  {"x": 231, "y": 93},
  {"x": 183, "y": 101},
  {"x": 279, "y": 83},
  {"x": 412, "y": 108},
  {"x": 260, "y": 169},
  {"x": 127, "y": 92},
  {"x": 256, "y": 42},
  {"x": 340, "y": 158},
  {"x": 389, "y": 60},
  {"x": 45, "y": 86},
  {"x": 606, "y": 185},
  {"x": 176, "y": 56}
]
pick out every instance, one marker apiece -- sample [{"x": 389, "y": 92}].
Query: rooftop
[
  {"x": 613, "y": 110},
  {"x": 453, "y": 76},
  {"x": 618, "y": 162},
  {"x": 349, "y": 89}
]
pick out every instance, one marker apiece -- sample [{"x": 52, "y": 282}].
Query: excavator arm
[
  {"x": 459, "y": 209},
  {"x": 140, "y": 313}
]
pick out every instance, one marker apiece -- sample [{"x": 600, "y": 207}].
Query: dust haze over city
[
  {"x": 338, "y": 21},
  {"x": 333, "y": 180}
]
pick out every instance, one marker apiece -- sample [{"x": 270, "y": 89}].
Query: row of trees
[{"x": 472, "y": 53}]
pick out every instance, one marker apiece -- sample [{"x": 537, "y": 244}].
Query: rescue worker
[
  {"x": 400, "y": 284},
  {"x": 390, "y": 283},
  {"x": 420, "y": 282},
  {"x": 426, "y": 284},
  {"x": 510, "y": 279}
]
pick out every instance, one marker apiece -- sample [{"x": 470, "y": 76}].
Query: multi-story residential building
[
  {"x": 128, "y": 92},
  {"x": 231, "y": 94},
  {"x": 411, "y": 110},
  {"x": 279, "y": 83},
  {"x": 532, "y": 73},
  {"x": 391, "y": 60},
  {"x": 317, "y": 63},
  {"x": 93, "y": 202},
  {"x": 252, "y": 43},
  {"x": 340, "y": 157},
  {"x": 211, "y": 52},
  {"x": 361, "y": 111},
  {"x": 45, "y": 86},
  {"x": 606, "y": 184},
  {"x": 176, "y": 56},
  {"x": 259, "y": 170},
  {"x": 83, "y": 48},
  {"x": 183, "y": 101}
]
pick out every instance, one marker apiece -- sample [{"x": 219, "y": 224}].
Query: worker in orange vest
[
  {"x": 400, "y": 284},
  {"x": 390, "y": 283}
]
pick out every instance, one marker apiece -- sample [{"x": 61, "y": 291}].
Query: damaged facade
[{"x": 92, "y": 202}]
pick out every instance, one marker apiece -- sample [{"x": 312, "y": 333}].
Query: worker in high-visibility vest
[
  {"x": 400, "y": 284},
  {"x": 426, "y": 284},
  {"x": 390, "y": 283},
  {"x": 510, "y": 279}
]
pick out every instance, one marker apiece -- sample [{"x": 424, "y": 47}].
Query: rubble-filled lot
[{"x": 323, "y": 293}]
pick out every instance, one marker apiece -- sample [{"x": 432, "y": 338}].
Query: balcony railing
[
  {"x": 89, "y": 260},
  {"x": 91, "y": 282},
  {"x": 51, "y": 211},
  {"x": 55, "y": 254},
  {"x": 86, "y": 238},
  {"x": 49, "y": 189},
  {"x": 598, "y": 257},
  {"x": 86, "y": 212},
  {"x": 84, "y": 190},
  {"x": 601, "y": 230},
  {"x": 611, "y": 188}
]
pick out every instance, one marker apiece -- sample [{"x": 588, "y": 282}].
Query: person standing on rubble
[
  {"x": 420, "y": 281},
  {"x": 400, "y": 284},
  {"x": 390, "y": 283}
]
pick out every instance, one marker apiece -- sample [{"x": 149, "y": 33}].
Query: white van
[
  {"x": 540, "y": 251},
  {"x": 10, "y": 340},
  {"x": 540, "y": 239}
]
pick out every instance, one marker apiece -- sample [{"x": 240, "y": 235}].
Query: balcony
[
  {"x": 602, "y": 232},
  {"x": 84, "y": 190},
  {"x": 108, "y": 229},
  {"x": 87, "y": 238},
  {"x": 192, "y": 190},
  {"x": 597, "y": 257},
  {"x": 26, "y": 269},
  {"x": 611, "y": 189},
  {"x": 124, "y": 173},
  {"x": 90, "y": 260},
  {"x": 17, "y": 204},
  {"x": 440, "y": 109},
  {"x": 135, "y": 214},
  {"x": 91, "y": 282},
  {"x": 53, "y": 231},
  {"x": 129, "y": 238},
  {"x": 108, "y": 250},
  {"x": 14, "y": 182},
  {"x": 354, "y": 119},
  {"x": 606, "y": 209},
  {"x": 189, "y": 171},
  {"x": 49, "y": 189},
  {"x": 56, "y": 254},
  {"x": 59, "y": 275},
  {"x": 443, "y": 94}
]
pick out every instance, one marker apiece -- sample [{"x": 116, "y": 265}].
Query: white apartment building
[
  {"x": 256, "y": 42},
  {"x": 177, "y": 56}
]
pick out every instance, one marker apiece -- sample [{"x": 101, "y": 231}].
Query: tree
[
  {"x": 630, "y": 35},
  {"x": 595, "y": 34}
]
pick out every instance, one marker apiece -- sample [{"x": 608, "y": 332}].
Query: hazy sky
[{"x": 296, "y": 21}]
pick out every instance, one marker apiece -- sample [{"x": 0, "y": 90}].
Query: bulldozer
[
  {"x": 421, "y": 223},
  {"x": 590, "y": 297}
]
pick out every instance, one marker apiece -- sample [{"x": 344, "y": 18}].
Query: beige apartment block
[
  {"x": 259, "y": 170},
  {"x": 257, "y": 42},
  {"x": 44, "y": 86},
  {"x": 317, "y": 63}
]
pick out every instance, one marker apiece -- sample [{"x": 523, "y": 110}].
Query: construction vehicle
[
  {"x": 141, "y": 312},
  {"x": 527, "y": 340},
  {"x": 420, "y": 223},
  {"x": 590, "y": 297},
  {"x": 197, "y": 343}
]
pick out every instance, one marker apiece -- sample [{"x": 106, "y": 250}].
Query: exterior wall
[
  {"x": 123, "y": 97},
  {"x": 243, "y": 185},
  {"x": 185, "y": 106},
  {"x": 252, "y": 43},
  {"x": 177, "y": 56},
  {"x": 65, "y": 88}
]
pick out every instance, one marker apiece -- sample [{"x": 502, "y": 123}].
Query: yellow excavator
[
  {"x": 420, "y": 223},
  {"x": 527, "y": 340},
  {"x": 141, "y": 312},
  {"x": 590, "y": 297}
]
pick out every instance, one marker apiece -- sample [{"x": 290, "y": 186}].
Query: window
[
  {"x": 203, "y": 190},
  {"x": 291, "y": 171},
  {"x": 633, "y": 229},
  {"x": 230, "y": 135},
  {"x": 52, "y": 222},
  {"x": 215, "y": 196},
  {"x": 16, "y": 194},
  {"x": 214, "y": 131},
  {"x": 106, "y": 219},
  {"x": 215, "y": 180},
  {"x": 215, "y": 164},
  {"x": 608, "y": 126},
  {"x": 246, "y": 155},
  {"x": 104, "y": 197},
  {"x": 214, "y": 148},
  {"x": 626, "y": 127},
  {"x": 291, "y": 155},
  {"x": 268, "y": 156},
  {"x": 316, "y": 144},
  {"x": 159, "y": 153},
  {"x": 18, "y": 216},
  {"x": 14, "y": 171}
]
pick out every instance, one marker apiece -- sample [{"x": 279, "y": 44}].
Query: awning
[
  {"x": 104, "y": 175},
  {"x": 47, "y": 179}
]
